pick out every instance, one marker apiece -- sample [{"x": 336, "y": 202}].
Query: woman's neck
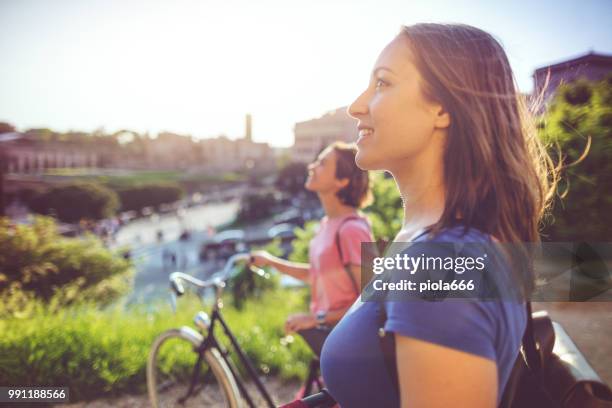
[
  {"x": 333, "y": 207},
  {"x": 423, "y": 195}
]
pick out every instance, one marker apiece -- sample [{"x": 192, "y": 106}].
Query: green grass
[
  {"x": 103, "y": 352},
  {"x": 144, "y": 177}
]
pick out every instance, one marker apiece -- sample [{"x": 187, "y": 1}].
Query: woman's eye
[{"x": 380, "y": 83}]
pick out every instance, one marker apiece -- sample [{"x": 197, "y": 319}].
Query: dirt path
[{"x": 282, "y": 392}]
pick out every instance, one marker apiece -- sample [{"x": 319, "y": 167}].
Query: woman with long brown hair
[{"x": 442, "y": 114}]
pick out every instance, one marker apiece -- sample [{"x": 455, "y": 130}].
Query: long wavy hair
[{"x": 498, "y": 176}]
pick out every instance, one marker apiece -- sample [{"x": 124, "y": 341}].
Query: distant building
[
  {"x": 171, "y": 151},
  {"x": 26, "y": 154},
  {"x": 223, "y": 154},
  {"x": 313, "y": 135},
  {"x": 36, "y": 151},
  {"x": 591, "y": 66}
]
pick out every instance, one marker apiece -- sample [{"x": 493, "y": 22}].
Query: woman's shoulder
[
  {"x": 458, "y": 233},
  {"x": 354, "y": 223}
]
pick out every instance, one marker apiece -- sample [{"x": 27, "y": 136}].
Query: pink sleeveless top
[{"x": 331, "y": 287}]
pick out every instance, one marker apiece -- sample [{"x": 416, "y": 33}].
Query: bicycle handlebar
[{"x": 219, "y": 281}]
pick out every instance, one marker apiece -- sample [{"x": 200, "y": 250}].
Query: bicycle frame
[{"x": 210, "y": 341}]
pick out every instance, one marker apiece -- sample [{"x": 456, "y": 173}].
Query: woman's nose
[{"x": 359, "y": 106}]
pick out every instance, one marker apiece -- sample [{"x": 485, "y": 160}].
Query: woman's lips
[{"x": 364, "y": 134}]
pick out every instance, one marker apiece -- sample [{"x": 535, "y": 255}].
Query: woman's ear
[
  {"x": 443, "y": 119},
  {"x": 341, "y": 183}
]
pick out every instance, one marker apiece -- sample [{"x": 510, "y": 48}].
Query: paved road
[{"x": 153, "y": 257}]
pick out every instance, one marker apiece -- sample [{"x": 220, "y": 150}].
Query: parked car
[
  {"x": 283, "y": 231},
  {"x": 229, "y": 235},
  {"x": 223, "y": 245},
  {"x": 293, "y": 216}
]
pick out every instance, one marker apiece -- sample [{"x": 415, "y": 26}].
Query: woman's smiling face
[
  {"x": 396, "y": 120},
  {"x": 322, "y": 173}
]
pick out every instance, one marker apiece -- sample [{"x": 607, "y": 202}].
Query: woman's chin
[{"x": 365, "y": 161}]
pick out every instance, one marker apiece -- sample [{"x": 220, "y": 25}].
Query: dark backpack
[{"x": 540, "y": 377}]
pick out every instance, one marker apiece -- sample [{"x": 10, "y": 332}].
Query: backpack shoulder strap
[
  {"x": 346, "y": 266},
  {"x": 387, "y": 347},
  {"x": 532, "y": 355},
  {"x": 528, "y": 360},
  {"x": 387, "y": 340}
]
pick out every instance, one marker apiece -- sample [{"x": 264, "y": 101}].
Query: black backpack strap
[
  {"x": 346, "y": 266},
  {"x": 530, "y": 350},
  {"x": 387, "y": 339},
  {"x": 387, "y": 346},
  {"x": 532, "y": 355},
  {"x": 527, "y": 361}
]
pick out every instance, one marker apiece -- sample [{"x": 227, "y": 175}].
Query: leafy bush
[
  {"x": 578, "y": 93},
  {"x": 74, "y": 202},
  {"x": 580, "y": 111},
  {"x": 386, "y": 211},
  {"x": 300, "y": 244},
  {"x": 135, "y": 198},
  {"x": 102, "y": 353},
  {"x": 246, "y": 284},
  {"x": 35, "y": 261}
]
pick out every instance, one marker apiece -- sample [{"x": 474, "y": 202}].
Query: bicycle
[{"x": 167, "y": 381}]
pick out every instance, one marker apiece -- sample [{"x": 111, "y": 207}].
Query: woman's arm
[
  {"x": 334, "y": 316},
  {"x": 307, "y": 320},
  {"x": 297, "y": 270},
  {"x": 433, "y": 376}
]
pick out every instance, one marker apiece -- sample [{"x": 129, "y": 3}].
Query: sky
[{"x": 197, "y": 67}]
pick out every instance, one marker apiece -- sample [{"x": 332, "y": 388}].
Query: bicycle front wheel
[{"x": 170, "y": 368}]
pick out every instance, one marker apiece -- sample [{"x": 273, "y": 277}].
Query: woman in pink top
[{"x": 335, "y": 252}]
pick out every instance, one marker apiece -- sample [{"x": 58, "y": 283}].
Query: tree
[
  {"x": 71, "y": 203},
  {"x": 581, "y": 111},
  {"x": 36, "y": 261},
  {"x": 292, "y": 177}
]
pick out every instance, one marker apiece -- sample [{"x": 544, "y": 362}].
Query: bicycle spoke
[{"x": 174, "y": 367}]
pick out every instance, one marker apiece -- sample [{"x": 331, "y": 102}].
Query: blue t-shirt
[{"x": 352, "y": 362}]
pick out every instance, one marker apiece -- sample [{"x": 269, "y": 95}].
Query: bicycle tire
[{"x": 165, "y": 393}]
